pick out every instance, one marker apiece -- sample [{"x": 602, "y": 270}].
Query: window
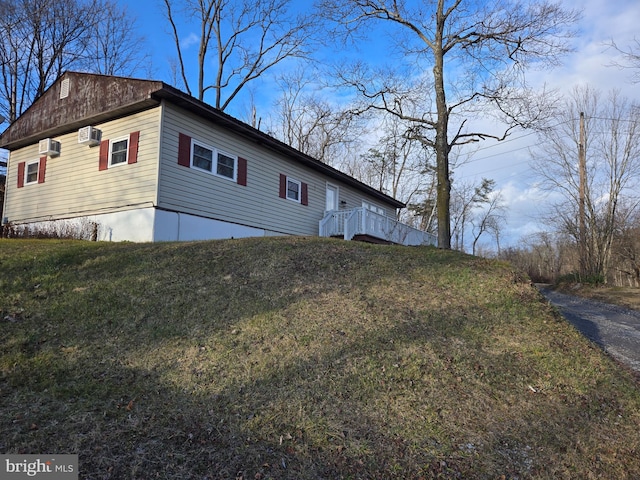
[
  {"x": 192, "y": 153},
  {"x": 293, "y": 189},
  {"x": 203, "y": 157},
  {"x": 118, "y": 151},
  {"x": 373, "y": 208},
  {"x": 226, "y": 165},
  {"x": 32, "y": 172}
]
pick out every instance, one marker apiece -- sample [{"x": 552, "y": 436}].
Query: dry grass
[
  {"x": 300, "y": 358},
  {"x": 624, "y": 296}
]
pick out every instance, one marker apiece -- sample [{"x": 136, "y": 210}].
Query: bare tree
[
  {"x": 306, "y": 119},
  {"x": 491, "y": 43},
  {"x": 395, "y": 165},
  {"x": 245, "y": 37},
  {"x": 543, "y": 255},
  {"x": 467, "y": 198},
  {"x": 113, "y": 48},
  {"x": 488, "y": 219},
  {"x": 612, "y": 149},
  {"x": 423, "y": 209},
  {"x": 43, "y": 38},
  {"x": 630, "y": 58},
  {"x": 626, "y": 251}
]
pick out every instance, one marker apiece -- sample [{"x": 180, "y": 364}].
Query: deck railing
[{"x": 362, "y": 221}]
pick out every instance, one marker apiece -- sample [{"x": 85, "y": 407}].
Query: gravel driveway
[{"x": 616, "y": 329}]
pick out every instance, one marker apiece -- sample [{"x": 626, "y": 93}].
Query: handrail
[{"x": 362, "y": 221}]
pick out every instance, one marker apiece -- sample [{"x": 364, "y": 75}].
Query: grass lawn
[{"x": 300, "y": 358}]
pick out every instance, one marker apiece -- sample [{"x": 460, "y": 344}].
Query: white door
[{"x": 332, "y": 198}]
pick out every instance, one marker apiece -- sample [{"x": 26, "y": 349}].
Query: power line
[
  {"x": 502, "y": 142},
  {"x": 497, "y": 154},
  {"x": 511, "y": 165},
  {"x": 513, "y": 139}
]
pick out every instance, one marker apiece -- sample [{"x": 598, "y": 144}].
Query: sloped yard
[{"x": 300, "y": 358}]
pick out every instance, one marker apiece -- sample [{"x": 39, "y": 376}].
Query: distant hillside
[{"x": 300, "y": 358}]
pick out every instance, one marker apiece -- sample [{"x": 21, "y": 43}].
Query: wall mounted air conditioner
[
  {"x": 49, "y": 147},
  {"x": 89, "y": 136}
]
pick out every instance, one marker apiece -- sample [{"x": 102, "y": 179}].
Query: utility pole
[{"x": 582, "y": 165}]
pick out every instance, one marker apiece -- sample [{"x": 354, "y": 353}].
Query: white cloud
[
  {"x": 191, "y": 39},
  {"x": 591, "y": 63},
  {"x": 603, "y": 21},
  {"x": 525, "y": 208}
]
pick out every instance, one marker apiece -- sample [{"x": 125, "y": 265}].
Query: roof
[{"x": 79, "y": 99}]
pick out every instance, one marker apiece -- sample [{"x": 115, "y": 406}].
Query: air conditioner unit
[
  {"x": 89, "y": 136},
  {"x": 49, "y": 147}
]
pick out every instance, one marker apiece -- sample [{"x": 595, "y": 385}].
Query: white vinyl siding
[
  {"x": 258, "y": 204},
  {"x": 74, "y": 186}
]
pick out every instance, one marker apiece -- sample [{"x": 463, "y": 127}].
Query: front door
[{"x": 332, "y": 198}]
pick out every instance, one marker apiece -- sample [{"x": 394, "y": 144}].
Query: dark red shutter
[
  {"x": 103, "y": 163},
  {"x": 133, "y": 147},
  {"x": 41, "y": 169},
  {"x": 242, "y": 171},
  {"x": 184, "y": 150},
  {"x": 21, "y": 167},
  {"x": 304, "y": 195},
  {"x": 283, "y": 186}
]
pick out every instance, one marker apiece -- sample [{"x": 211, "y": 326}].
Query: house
[{"x": 142, "y": 161}]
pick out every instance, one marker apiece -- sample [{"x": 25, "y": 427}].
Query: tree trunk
[{"x": 442, "y": 143}]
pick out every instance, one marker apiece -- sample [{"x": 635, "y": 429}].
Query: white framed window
[
  {"x": 226, "y": 166},
  {"x": 118, "y": 151},
  {"x": 373, "y": 208},
  {"x": 202, "y": 157},
  {"x": 209, "y": 159},
  {"x": 31, "y": 172},
  {"x": 294, "y": 189}
]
